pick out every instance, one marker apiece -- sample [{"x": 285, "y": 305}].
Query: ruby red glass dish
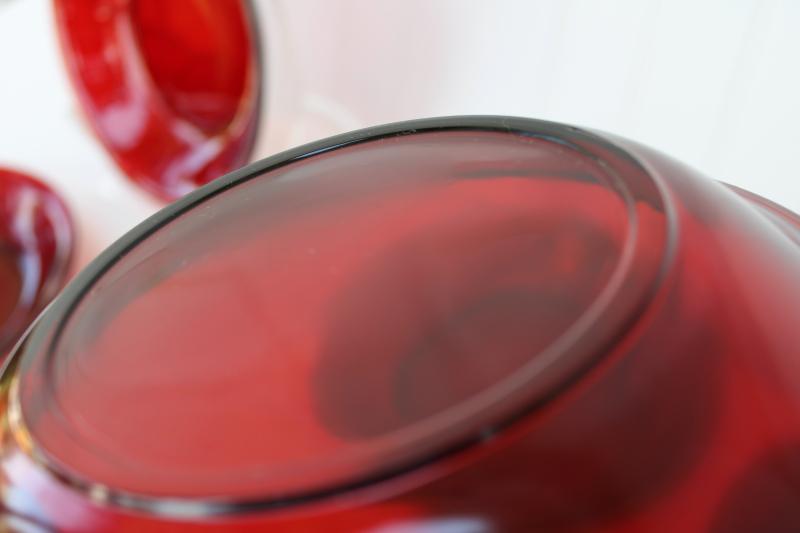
[
  {"x": 172, "y": 89},
  {"x": 36, "y": 241},
  {"x": 468, "y": 324}
]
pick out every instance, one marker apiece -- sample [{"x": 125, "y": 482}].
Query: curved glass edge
[
  {"x": 787, "y": 221},
  {"x": 614, "y": 316},
  {"x": 257, "y": 82}
]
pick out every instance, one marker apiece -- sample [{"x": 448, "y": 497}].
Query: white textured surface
[{"x": 712, "y": 82}]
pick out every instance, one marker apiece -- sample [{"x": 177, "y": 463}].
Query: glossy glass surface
[
  {"x": 172, "y": 89},
  {"x": 36, "y": 240},
  {"x": 465, "y": 324},
  {"x": 349, "y": 286}
]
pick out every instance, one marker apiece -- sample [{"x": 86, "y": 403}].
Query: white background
[{"x": 715, "y": 83}]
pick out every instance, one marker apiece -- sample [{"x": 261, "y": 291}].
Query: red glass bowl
[
  {"x": 36, "y": 242},
  {"x": 459, "y": 324},
  {"x": 172, "y": 89}
]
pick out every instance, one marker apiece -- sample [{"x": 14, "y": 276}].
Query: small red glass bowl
[
  {"x": 36, "y": 246},
  {"x": 458, "y": 324},
  {"x": 171, "y": 89}
]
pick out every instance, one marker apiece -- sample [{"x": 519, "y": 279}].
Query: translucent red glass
[
  {"x": 36, "y": 240},
  {"x": 172, "y": 89},
  {"x": 465, "y": 324}
]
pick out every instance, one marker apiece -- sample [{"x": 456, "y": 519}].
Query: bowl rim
[
  {"x": 244, "y": 124},
  {"x": 612, "y": 319}
]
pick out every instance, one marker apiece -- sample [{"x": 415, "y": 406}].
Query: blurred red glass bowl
[
  {"x": 36, "y": 241},
  {"x": 172, "y": 89},
  {"x": 484, "y": 323}
]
